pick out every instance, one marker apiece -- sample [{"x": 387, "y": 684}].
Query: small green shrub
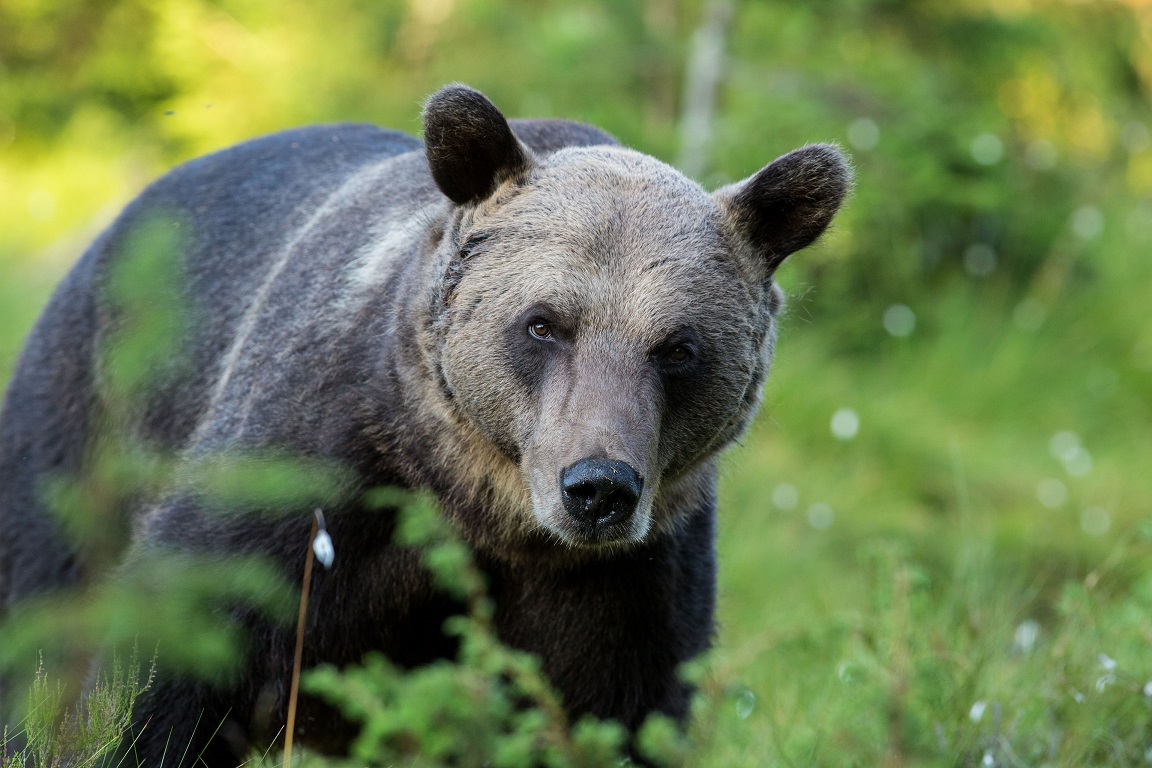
[
  {"x": 491, "y": 707},
  {"x": 59, "y": 731}
]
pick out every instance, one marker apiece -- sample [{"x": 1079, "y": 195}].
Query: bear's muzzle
[{"x": 600, "y": 492}]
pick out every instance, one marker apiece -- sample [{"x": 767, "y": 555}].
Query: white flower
[
  {"x": 322, "y": 545},
  {"x": 1024, "y": 640},
  {"x": 324, "y": 549},
  {"x": 745, "y": 704}
]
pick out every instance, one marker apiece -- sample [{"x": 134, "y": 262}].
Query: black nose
[{"x": 600, "y": 491}]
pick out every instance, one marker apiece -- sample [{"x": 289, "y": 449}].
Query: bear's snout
[{"x": 601, "y": 492}]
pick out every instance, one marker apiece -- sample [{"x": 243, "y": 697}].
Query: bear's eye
[
  {"x": 678, "y": 354},
  {"x": 538, "y": 329}
]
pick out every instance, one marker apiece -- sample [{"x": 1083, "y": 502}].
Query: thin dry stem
[{"x": 290, "y": 727}]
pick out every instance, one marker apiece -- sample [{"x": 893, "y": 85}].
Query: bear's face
[
  {"x": 600, "y": 314},
  {"x": 602, "y": 322}
]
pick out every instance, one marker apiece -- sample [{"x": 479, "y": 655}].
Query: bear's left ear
[
  {"x": 470, "y": 147},
  {"x": 789, "y": 203}
]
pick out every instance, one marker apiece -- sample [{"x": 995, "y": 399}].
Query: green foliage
[
  {"x": 168, "y": 600},
  {"x": 58, "y": 732},
  {"x": 492, "y": 706},
  {"x": 946, "y": 670},
  {"x": 144, "y": 289}
]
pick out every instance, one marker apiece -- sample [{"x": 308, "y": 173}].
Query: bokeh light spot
[
  {"x": 785, "y": 496},
  {"x": 899, "y": 320},
  {"x": 820, "y": 516},
  {"x": 1063, "y": 444},
  {"x": 845, "y": 424},
  {"x": 1087, "y": 222},
  {"x": 1095, "y": 521},
  {"x": 1052, "y": 493},
  {"x": 863, "y": 134},
  {"x": 987, "y": 149},
  {"x": 1041, "y": 155},
  {"x": 979, "y": 260},
  {"x": 1029, "y": 315}
]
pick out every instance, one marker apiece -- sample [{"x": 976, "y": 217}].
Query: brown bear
[{"x": 553, "y": 334}]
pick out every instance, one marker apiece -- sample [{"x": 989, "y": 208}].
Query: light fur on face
[{"x": 623, "y": 253}]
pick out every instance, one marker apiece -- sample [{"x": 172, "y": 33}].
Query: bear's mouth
[{"x": 602, "y": 533}]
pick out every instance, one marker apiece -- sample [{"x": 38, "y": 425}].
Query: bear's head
[{"x": 603, "y": 322}]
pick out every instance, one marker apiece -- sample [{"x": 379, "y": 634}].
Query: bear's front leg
[
  {"x": 612, "y": 632},
  {"x": 216, "y": 595},
  {"x": 178, "y": 724}
]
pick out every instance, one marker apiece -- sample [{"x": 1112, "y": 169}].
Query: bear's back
[{"x": 239, "y": 214}]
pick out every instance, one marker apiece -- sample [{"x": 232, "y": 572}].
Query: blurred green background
[{"x": 936, "y": 542}]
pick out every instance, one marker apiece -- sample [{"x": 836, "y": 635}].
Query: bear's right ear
[
  {"x": 470, "y": 147},
  {"x": 790, "y": 202}
]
